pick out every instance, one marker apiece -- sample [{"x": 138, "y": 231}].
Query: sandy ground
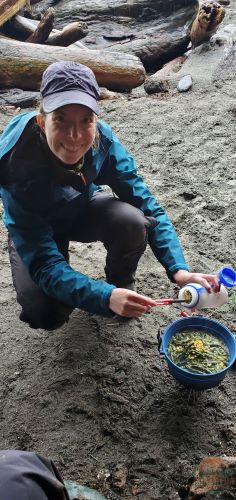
[{"x": 95, "y": 395}]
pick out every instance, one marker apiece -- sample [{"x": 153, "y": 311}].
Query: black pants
[
  {"x": 122, "y": 228},
  {"x": 26, "y": 475}
]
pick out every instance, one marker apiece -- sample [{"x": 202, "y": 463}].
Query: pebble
[{"x": 185, "y": 83}]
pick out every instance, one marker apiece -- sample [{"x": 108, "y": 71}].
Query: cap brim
[{"x": 52, "y": 102}]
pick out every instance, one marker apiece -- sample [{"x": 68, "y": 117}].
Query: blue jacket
[{"x": 33, "y": 221}]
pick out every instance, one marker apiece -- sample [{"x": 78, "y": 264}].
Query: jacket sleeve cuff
[{"x": 170, "y": 272}]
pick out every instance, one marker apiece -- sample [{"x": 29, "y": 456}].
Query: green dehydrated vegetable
[
  {"x": 187, "y": 296},
  {"x": 198, "y": 351}
]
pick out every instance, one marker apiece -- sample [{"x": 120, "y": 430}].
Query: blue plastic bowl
[{"x": 198, "y": 381}]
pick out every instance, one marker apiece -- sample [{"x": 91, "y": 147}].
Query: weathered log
[
  {"x": 22, "y": 65},
  {"x": 23, "y": 25},
  {"x": 70, "y": 34},
  {"x": 44, "y": 27},
  {"x": 208, "y": 18},
  {"x": 9, "y": 8},
  {"x": 78, "y": 45}
]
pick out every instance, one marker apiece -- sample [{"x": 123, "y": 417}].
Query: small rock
[
  {"x": 156, "y": 86},
  {"x": 119, "y": 477},
  {"x": 108, "y": 94},
  {"x": 82, "y": 492},
  {"x": 160, "y": 81},
  {"x": 185, "y": 83},
  {"x": 215, "y": 475},
  {"x": 224, "y": 2}
]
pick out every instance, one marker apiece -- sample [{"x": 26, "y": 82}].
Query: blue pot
[{"x": 198, "y": 380}]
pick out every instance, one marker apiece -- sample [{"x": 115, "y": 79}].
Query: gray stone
[
  {"x": 19, "y": 98},
  {"x": 185, "y": 83}
]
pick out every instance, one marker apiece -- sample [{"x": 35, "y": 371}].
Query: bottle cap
[{"x": 227, "y": 276}]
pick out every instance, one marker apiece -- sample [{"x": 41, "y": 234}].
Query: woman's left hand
[{"x": 209, "y": 281}]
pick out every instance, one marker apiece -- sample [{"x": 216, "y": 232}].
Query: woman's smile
[
  {"x": 70, "y": 132},
  {"x": 69, "y": 149}
]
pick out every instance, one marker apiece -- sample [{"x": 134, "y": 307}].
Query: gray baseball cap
[{"x": 68, "y": 82}]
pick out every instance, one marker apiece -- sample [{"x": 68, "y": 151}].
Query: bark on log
[
  {"x": 22, "y": 65},
  {"x": 44, "y": 27},
  {"x": 9, "y": 8}
]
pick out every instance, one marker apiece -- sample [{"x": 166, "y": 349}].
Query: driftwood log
[
  {"x": 44, "y": 27},
  {"x": 22, "y": 65},
  {"x": 209, "y": 16},
  {"x": 69, "y": 35},
  {"x": 9, "y": 8},
  {"x": 23, "y": 25}
]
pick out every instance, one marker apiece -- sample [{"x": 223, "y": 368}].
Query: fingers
[
  {"x": 142, "y": 299},
  {"x": 129, "y": 304},
  {"x": 136, "y": 306},
  {"x": 210, "y": 282}
]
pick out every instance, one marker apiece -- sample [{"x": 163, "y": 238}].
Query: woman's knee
[
  {"x": 47, "y": 316},
  {"x": 129, "y": 224}
]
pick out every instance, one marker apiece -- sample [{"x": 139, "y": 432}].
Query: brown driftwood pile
[{"x": 27, "y": 47}]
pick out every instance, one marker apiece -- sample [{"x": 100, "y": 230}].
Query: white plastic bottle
[{"x": 197, "y": 296}]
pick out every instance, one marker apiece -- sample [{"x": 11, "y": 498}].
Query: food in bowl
[{"x": 198, "y": 351}]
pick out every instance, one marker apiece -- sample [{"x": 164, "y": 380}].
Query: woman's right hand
[{"x": 129, "y": 304}]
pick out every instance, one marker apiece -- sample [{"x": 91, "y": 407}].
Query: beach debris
[
  {"x": 44, "y": 27},
  {"x": 10, "y": 7},
  {"x": 108, "y": 94},
  {"x": 22, "y": 65},
  {"x": 77, "y": 491},
  {"x": 216, "y": 476},
  {"x": 185, "y": 83},
  {"x": 160, "y": 81},
  {"x": 118, "y": 35},
  {"x": 209, "y": 16},
  {"x": 70, "y": 34},
  {"x": 119, "y": 477}
]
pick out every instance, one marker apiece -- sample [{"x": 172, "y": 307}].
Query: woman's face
[{"x": 70, "y": 131}]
